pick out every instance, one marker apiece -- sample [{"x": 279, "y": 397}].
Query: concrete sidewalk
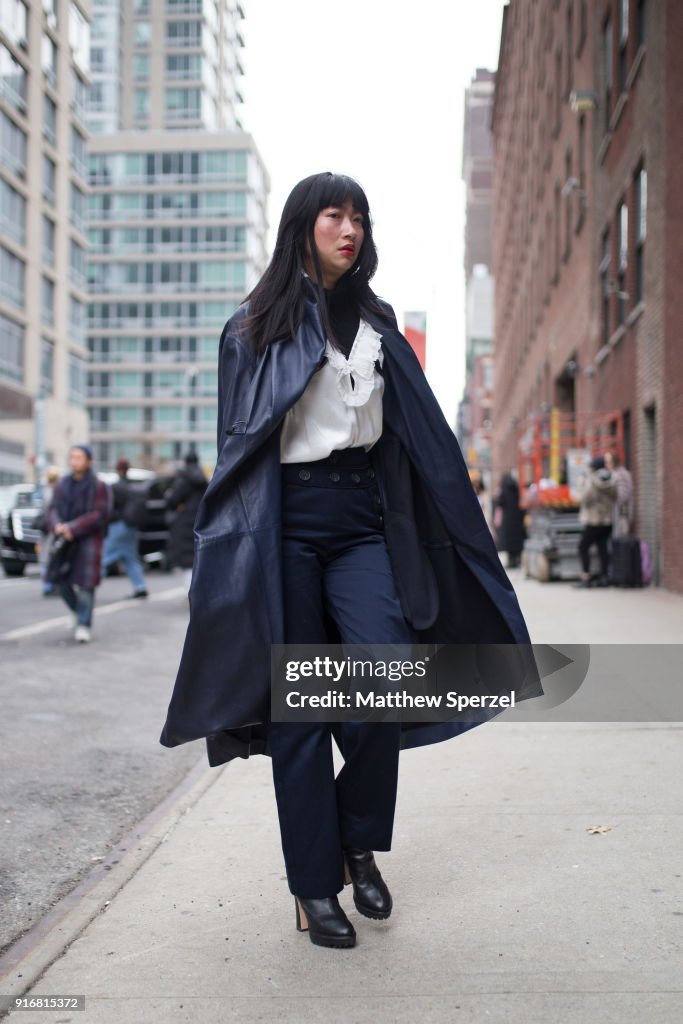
[{"x": 506, "y": 907}]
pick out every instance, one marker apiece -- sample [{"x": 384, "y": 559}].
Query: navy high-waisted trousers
[{"x": 335, "y": 558}]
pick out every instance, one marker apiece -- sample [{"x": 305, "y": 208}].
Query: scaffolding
[{"x": 554, "y": 450}]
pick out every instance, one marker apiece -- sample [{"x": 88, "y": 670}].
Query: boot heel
[{"x": 301, "y": 919}]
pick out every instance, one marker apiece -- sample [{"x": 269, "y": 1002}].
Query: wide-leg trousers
[{"x": 335, "y": 559}]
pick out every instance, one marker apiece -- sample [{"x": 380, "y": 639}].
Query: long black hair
[{"x": 276, "y": 304}]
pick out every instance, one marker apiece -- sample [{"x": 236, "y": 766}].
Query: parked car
[
  {"x": 21, "y": 503},
  {"x": 19, "y": 506}
]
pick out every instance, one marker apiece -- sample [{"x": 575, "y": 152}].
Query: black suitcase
[{"x": 626, "y": 564}]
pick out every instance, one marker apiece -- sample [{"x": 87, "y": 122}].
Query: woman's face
[{"x": 338, "y": 235}]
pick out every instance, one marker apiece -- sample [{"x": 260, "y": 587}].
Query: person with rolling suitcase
[{"x": 599, "y": 492}]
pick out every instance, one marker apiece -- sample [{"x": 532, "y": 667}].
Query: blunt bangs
[{"x": 337, "y": 189}]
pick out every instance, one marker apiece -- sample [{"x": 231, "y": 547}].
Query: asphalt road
[{"x": 80, "y": 758}]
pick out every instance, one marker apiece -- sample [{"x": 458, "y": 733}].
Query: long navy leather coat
[{"x": 452, "y": 586}]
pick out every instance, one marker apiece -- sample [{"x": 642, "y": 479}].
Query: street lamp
[{"x": 39, "y": 428}]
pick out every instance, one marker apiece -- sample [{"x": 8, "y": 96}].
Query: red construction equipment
[
  {"x": 547, "y": 443},
  {"x": 555, "y": 449}
]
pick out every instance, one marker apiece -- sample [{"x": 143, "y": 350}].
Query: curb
[{"x": 26, "y": 960}]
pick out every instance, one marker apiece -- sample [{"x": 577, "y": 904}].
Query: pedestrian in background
[
  {"x": 183, "y": 498},
  {"x": 121, "y": 543},
  {"x": 598, "y": 494},
  {"x": 509, "y": 520},
  {"x": 481, "y": 493},
  {"x": 79, "y": 513},
  {"x": 623, "y": 507},
  {"x": 51, "y": 478}
]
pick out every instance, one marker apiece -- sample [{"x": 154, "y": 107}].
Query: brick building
[{"x": 587, "y": 247}]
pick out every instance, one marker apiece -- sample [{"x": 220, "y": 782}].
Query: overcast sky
[{"x": 375, "y": 90}]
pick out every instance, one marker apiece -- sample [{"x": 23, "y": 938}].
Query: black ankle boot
[
  {"x": 370, "y": 892},
  {"x": 325, "y": 921}
]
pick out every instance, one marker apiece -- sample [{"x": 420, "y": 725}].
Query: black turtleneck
[
  {"x": 343, "y": 313},
  {"x": 344, "y": 317}
]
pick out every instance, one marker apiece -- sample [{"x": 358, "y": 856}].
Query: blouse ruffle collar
[{"x": 360, "y": 365}]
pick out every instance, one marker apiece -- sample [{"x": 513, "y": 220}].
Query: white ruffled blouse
[{"x": 342, "y": 404}]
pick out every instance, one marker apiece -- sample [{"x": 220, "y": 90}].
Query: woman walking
[
  {"x": 509, "y": 520},
  {"x": 340, "y": 510}
]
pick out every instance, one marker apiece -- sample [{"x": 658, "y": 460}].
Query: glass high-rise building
[{"x": 176, "y": 223}]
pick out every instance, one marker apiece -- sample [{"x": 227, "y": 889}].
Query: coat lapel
[{"x": 281, "y": 377}]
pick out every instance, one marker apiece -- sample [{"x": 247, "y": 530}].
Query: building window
[
  {"x": 48, "y": 241},
  {"x": 79, "y": 38},
  {"x": 47, "y": 301},
  {"x": 582, "y": 170},
  {"x": 605, "y": 286},
  {"x": 568, "y": 206},
  {"x": 183, "y": 65},
  {"x": 141, "y": 65},
  {"x": 141, "y": 102},
  {"x": 79, "y": 95},
  {"x": 47, "y": 366},
  {"x": 226, "y": 166},
  {"x": 183, "y": 104},
  {"x": 623, "y": 43},
  {"x": 583, "y": 25},
  {"x": 77, "y": 264},
  {"x": 570, "y": 48},
  {"x": 640, "y": 22},
  {"x": 79, "y": 159},
  {"x": 558, "y": 90},
  {"x": 78, "y": 202},
  {"x": 11, "y": 350},
  {"x": 558, "y": 232},
  {"x": 12, "y": 213},
  {"x": 641, "y": 228},
  {"x": 607, "y": 69},
  {"x": 77, "y": 376},
  {"x": 141, "y": 33},
  {"x": 13, "y": 80},
  {"x": 50, "y": 120},
  {"x": 50, "y": 9},
  {"x": 622, "y": 269},
  {"x": 12, "y": 272},
  {"x": 77, "y": 320},
  {"x": 49, "y": 178},
  {"x": 49, "y": 59},
  {"x": 184, "y": 33},
  {"x": 15, "y": 22},
  {"x": 12, "y": 146}
]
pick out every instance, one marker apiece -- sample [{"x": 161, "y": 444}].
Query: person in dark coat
[
  {"x": 340, "y": 511},
  {"x": 121, "y": 543},
  {"x": 509, "y": 517},
  {"x": 183, "y": 498},
  {"x": 78, "y": 514}
]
